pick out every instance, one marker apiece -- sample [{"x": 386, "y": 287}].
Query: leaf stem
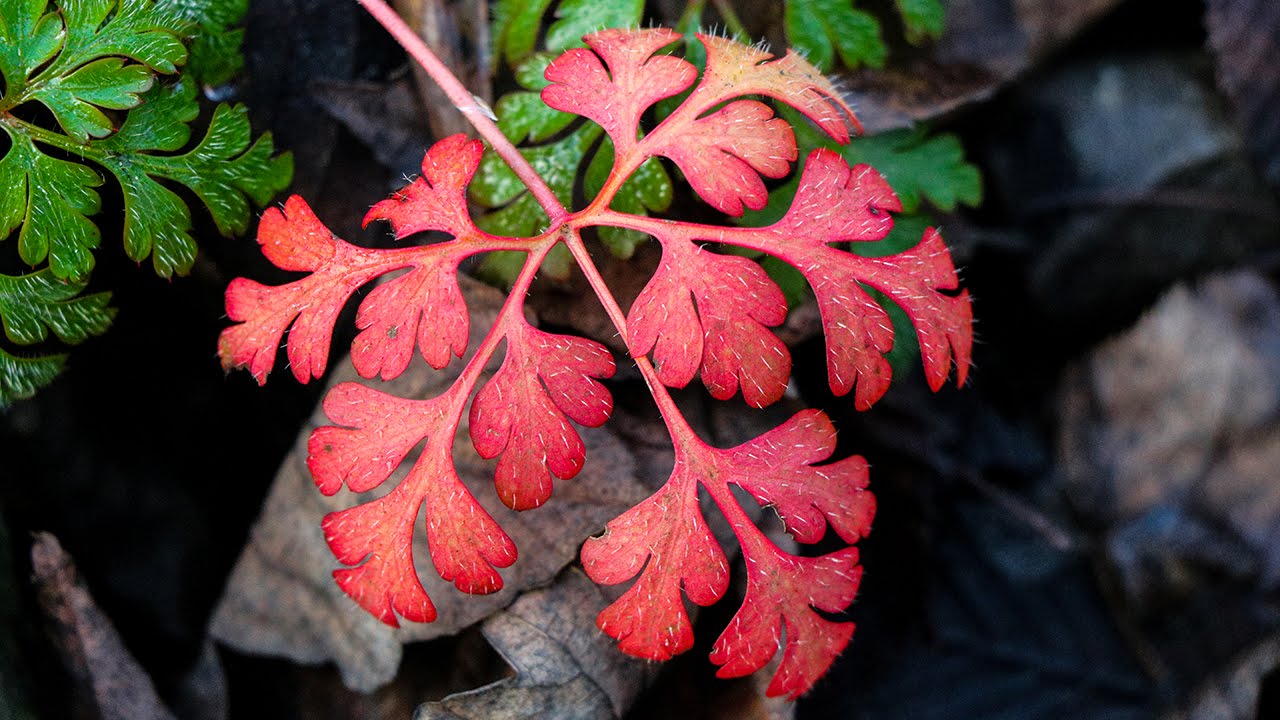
[
  {"x": 514, "y": 303},
  {"x": 671, "y": 415},
  {"x": 731, "y": 20},
  {"x": 473, "y": 108}
]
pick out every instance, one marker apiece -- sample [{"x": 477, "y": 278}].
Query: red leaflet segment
[
  {"x": 782, "y": 592},
  {"x": 667, "y": 537},
  {"x": 734, "y": 70},
  {"x": 724, "y": 154},
  {"x": 668, "y": 532},
  {"x": 294, "y": 239},
  {"x": 709, "y": 311},
  {"x": 377, "y": 538},
  {"x": 467, "y": 545},
  {"x": 436, "y": 199},
  {"x": 523, "y": 412},
  {"x": 838, "y": 203},
  {"x": 423, "y": 306},
  {"x": 619, "y": 81},
  {"x": 374, "y": 433},
  {"x": 778, "y": 470}
]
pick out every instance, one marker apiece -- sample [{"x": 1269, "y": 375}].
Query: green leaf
[
  {"x": 648, "y": 189},
  {"x": 576, "y": 18},
  {"x": 822, "y": 28},
  {"x": 32, "y": 305},
  {"x": 496, "y": 186},
  {"x": 94, "y": 65},
  {"x": 51, "y": 199},
  {"x": 920, "y": 167},
  {"x": 215, "y": 45},
  {"x": 923, "y": 19},
  {"x": 515, "y": 28},
  {"x": 223, "y": 170},
  {"x": 21, "y": 377},
  {"x": 28, "y": 38},
  {"x": 523, "y": 115}
]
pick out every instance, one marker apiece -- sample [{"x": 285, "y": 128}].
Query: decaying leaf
[
  {"x": 561, "y": 671},
  {"x": 1171, "y": 437},
  {"x": 107, "y": 678},
  {"x": 984, "y": 46},
  {"x": 1245, "y": 37}
]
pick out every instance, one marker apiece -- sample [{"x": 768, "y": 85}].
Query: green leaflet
[
  {"x": 515, "y": 29},
  {"x": 33, "y": 305},
  {"x": 921, "y": 167},
  {"x": 215, "y": 48},
  {"x": 21, "y": 377},
  {"x": 523, "y": 117},
  {"x": 224, "y": 170},
  {"x": 96, "y": 67},
  {"x": 826, "y": 29},
  {"x": 923, "y": 19},
  {"x": 516, "y": 24},
  {"x": 822, "y": 28},
  {"x": 51, "y": 199},
  {"x": 575, "y": 18}
]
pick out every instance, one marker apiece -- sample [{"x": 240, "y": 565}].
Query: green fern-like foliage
[{"x": 110, "y": 85}]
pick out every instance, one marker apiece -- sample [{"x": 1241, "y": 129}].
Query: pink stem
[{"x": 472, "y": 107}]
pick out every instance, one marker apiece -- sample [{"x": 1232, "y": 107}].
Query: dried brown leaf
[
  {"x": 1171, "y": 437},
  {"x": 107, "y": 678},
  {"x": 986, "y": 44},
  {"x": 564, "y": 669},
  {"x": 1245, "y": 38}
]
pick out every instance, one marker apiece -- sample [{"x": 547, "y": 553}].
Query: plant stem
[
  {"x": 732, "y": 22},
  {"x": 513, "y": 307},
  {"x": 473, "y": 108}
]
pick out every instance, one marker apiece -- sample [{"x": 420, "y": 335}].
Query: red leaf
[
  {"x": 436, "y": 200},
  {"x": 725, "y": 334},
  {"x": 701, "y": 313},
  {"x": 467, "y": 545},
  {"x": 425, "y": 306},
  {"x": 616, "y": 92},
  {"x": 374, "y": 434},
  {"x": 521, "y": 413},
  {"x": 838, "y": 203},
  {"x": 782, "y": 592},
  {"x": 778, "y": 470},
  {"x": 667, "y": 537}
]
